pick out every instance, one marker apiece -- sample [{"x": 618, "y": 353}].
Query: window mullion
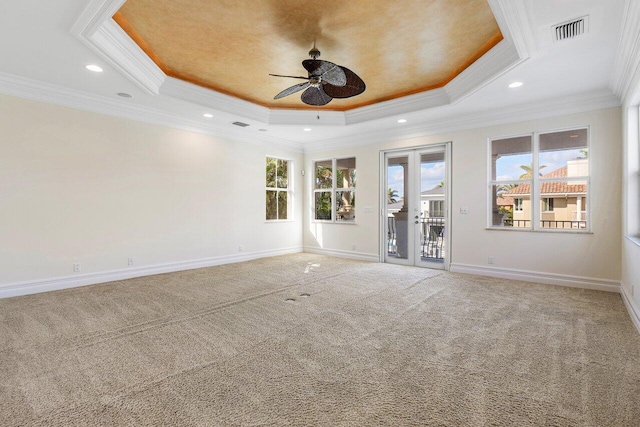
[
  {"x": 334, "y": 192},
  {"x": 535, "y": 182}
]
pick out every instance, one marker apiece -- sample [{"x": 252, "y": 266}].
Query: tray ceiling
[{"x": 398, "y": 48}]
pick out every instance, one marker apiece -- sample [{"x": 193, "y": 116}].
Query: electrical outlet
[
  {"x": 353, "y": 247},
  {"x": 491, "y": 260},
  {"x": 77, "y": 267},
  {"x": 129, "y": 261},
  {"x": 464, "y": 210},
  {"x": 240, "y": 248}
]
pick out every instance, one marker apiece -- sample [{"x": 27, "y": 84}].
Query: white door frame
[{"x": 414, "y": 188}]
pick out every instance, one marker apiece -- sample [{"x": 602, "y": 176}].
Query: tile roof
[{"x": 559, "y": 187}]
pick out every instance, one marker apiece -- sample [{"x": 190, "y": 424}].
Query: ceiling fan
[{"x": 326, "y": 81}]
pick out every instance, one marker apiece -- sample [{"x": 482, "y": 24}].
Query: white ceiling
[{"x": 41, "y": 59}]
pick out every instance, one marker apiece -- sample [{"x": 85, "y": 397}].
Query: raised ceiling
[{"x": 398, "y": 48}]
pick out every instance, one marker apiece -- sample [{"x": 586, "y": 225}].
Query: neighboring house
[
  {"x": 432, "y": 202},
  {"x": 563, "y": 204}
]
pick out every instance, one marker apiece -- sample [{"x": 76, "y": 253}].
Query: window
[
  {"x": 540, "y": 181},
  {"x": 278, "y": 189},
  {"x": 335, "y": 190},
  {"x": 517, "y": 205},
  {"x": 436, "y": 209}
]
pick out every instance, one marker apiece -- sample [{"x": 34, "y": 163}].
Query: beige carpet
[{"x": 371, "y": 344}]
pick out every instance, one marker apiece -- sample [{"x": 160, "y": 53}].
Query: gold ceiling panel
[{"x": 231, "y": 46}]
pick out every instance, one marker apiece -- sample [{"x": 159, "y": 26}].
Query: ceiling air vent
[
  {"x": 571, "y": 29},
  {"x": 242, "y": 125}
]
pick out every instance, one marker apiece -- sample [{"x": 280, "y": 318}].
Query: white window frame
[
  {"x": 333, "y": 190},
  {"x": 288, "y": 190},
  {"x": 536, "y": 182}
]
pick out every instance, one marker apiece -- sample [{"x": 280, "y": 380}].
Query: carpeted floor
[{"x": 359, "y": 344}]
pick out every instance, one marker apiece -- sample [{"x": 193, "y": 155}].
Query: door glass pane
[
  {"x": 397, "y": 207},
  {"x": 432, "y": 207}
]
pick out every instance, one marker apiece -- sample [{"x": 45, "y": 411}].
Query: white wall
[
  {"x": 581, "y": 259},
  {"x": 83, "y": 187},
  {"x": 631, "y": 212}
]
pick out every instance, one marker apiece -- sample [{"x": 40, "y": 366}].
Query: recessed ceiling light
[
  {"x": 208, "y": 115},
  {"x": 94, "y": 68},
  {"x": 307, "y": 129},
  {"x": 262, "y": 130},
  {"x": 573, "y": 136},
  {"x": 125, "y": 95},
  {"x": 515, "y": 84},
  {"x": 402, "y": 121}
]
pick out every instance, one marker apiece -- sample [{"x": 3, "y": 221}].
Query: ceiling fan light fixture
[{"x": 325, "y": 81}]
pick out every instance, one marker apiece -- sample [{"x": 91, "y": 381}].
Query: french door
[{"x": 416, "y": 188}]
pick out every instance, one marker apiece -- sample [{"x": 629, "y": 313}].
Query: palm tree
[
  {"x": 392, "y": 196},
  {"x": 441, "y": 184},
  {"x": 528, "y": 171},
  {"x": 585, "y": 153}
]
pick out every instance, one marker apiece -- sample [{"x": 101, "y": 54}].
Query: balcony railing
[
  {"x": 525, "y": 223},
  {"x": 431, "y": 238}
]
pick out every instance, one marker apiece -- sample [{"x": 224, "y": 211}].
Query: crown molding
[
  {"x": 512, "y": 17},
  {"x": 454, "y": 122},
  {"x": 490, "y": 66},
  {"x": 97, "y": 30},
  {"x": 625, "y": 80},
  {"x": 407, "y": 104},
  {"x": 190, "y": 92},
  {"x": 22, "y": 87}
]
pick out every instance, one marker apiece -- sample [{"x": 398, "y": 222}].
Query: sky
[
  {"x": 431, "y": 175},
  {"x": 507, "y": 168}
]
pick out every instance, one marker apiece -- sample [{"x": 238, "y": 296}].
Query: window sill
[
  {"x": 634, "y": 239},
  {"x": 318, "y": 221},
  {"x": 551, "y": 231},
  {"x": 278, "y": 221}
]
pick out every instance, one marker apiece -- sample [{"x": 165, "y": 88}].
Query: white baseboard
[
  {"x": 632, "y": 308},
  {"x": 342, "y": 254},
  {"x": 57, "y": 283},
  {"x": 538, "y": 277}
]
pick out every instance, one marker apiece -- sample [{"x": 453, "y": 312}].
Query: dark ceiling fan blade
[
  {"x": 354, "y": 86},
  {"x": 292, "y": 89},
  {"x": 315, "y": 96},
  {"x": 330, "y": 72},
  {"x": 291, "y": 77}
]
